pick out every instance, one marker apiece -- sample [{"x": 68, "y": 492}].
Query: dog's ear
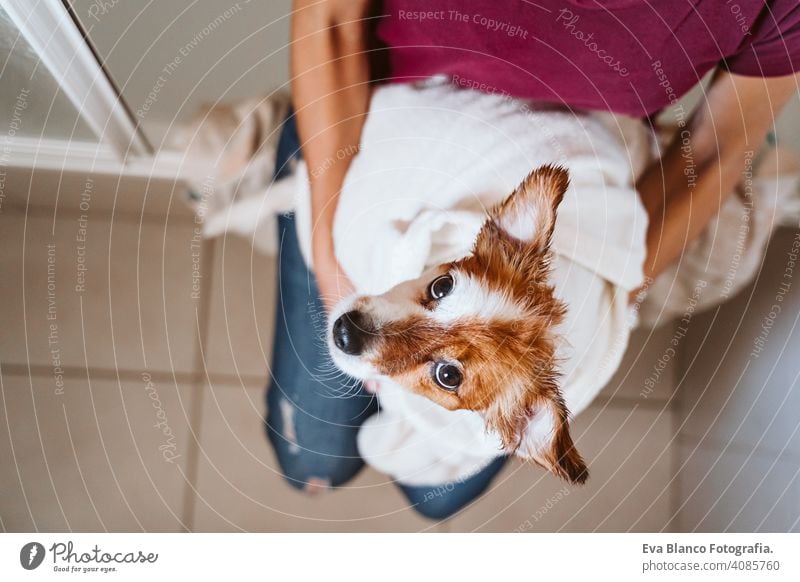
[
  {"x": 537, "y": 429},
  {"x": 546, "y": 441},
  {"x": 529, "y": 213}
]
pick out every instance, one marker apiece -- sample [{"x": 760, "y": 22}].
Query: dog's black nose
[{"x": 350, "y": 333}]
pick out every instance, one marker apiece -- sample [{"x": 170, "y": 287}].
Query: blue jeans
[{"x": 313, "y": 411}]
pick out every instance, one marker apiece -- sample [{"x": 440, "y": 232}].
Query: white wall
[
  {"x": 31, "y": 104},
  {"x": 211, "y": 51}
]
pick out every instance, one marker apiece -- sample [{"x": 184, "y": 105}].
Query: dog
[{"x": 477, "y": 333}]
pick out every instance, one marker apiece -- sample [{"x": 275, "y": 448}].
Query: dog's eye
[
  {"x": 440, "y": 287},
  {"x": 447, "y": 376}
]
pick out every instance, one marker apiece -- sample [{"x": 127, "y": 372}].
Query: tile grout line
[
  {"x": 198, "y": 387},
  {"x": 677, "y": 415},
  {"x": 674, "y": 464},
  {"x": 628, "y": 402},
  {"x": 738, "y": 448},
  {"x": 444, "y": 526},
  {"x": 40, "y": 210},
  {"x": 44, "y": 371}
]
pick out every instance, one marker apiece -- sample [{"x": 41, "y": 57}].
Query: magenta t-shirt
[{"x": 627, "y": 56}]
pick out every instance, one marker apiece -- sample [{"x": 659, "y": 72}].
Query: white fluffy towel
[{"x": 432, "y": 159}]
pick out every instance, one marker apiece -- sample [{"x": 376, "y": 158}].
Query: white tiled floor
[
  {"x": 630, "y": 455},
  {"x": 134, "y": 313},
  {"x": 733, "y": 393},
  {"x": 239, "y": 487},
  {"x": 89, "y": 459},
  {"x": 739, "y": 454},
  {"x": 241, "y": 312},
  {"x": 738, "y": 490},
  {"x": 92, "y": 457}
]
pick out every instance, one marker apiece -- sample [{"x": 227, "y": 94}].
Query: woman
[{"x": 624, "y": 56}]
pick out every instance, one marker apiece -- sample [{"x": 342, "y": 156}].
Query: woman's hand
[
  {"x": 331, "y": 91},
  {"x": 332, "y": 282},
  {"x": 685, "y": 189}
]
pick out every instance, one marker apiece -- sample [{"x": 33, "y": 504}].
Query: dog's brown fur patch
[{"x": 509, "y": 365}]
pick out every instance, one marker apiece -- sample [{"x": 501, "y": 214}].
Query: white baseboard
[
  {"x": 88, "y": 157},
  {"x": 50, "y": 30}
]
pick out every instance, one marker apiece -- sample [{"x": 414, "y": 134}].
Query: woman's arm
[
  {"x": 330, "y": 87},
  {"x": 685, "y": 189}
]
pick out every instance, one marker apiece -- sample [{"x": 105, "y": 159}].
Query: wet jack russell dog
[{"x": 477, "y": 333}]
